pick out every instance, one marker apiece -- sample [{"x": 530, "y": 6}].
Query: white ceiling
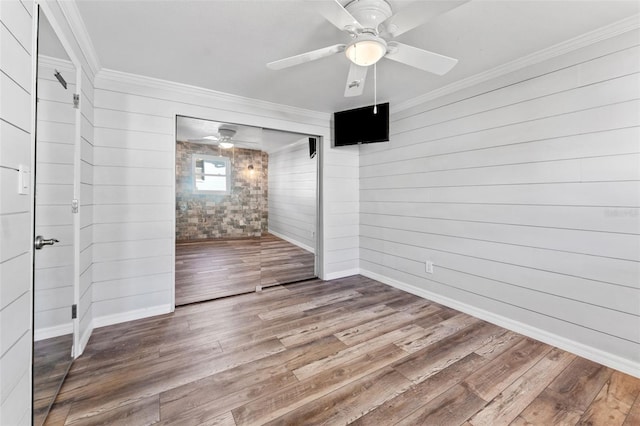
[{"x": 224, "y": 45}]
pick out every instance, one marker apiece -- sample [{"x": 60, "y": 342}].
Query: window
[{"x": 212, "y": 174}]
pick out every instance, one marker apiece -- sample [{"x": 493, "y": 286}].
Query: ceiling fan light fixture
[
  {"x": 366, "y": 50},
  {"x": 226, "y": 133}
]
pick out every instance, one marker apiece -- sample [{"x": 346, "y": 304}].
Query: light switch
[{"x": 24, "y": 180}]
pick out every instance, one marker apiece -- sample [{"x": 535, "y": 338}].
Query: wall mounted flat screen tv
[{"x": 361, "y": 125}]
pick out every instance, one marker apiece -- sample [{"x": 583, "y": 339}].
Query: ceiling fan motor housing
[
  {"x": 369, "y": 13},
  {"x": 226, "y": 133}
]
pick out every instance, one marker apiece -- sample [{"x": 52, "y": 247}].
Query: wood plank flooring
[
  {"x": 282, "y": 262},
  {"x": 349, "y": 351},
  {"x": 51, "y": 361},
  {"x": 211, "y": 269}
]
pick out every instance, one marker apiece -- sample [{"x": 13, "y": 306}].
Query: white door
[{"x": 54, "y": 174}]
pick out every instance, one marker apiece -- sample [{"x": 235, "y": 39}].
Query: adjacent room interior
[
  {"x": 246, "y": 209},
  {"x": 336, "y": 211}
]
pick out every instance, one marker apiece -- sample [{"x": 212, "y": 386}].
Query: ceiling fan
[
  {"x": 224, "y": 136},
  {"x": 372, "y": 26},
  {"x": 227, "y": 136}
]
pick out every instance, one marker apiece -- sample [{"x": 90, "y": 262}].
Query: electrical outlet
[
  {"x": 258, "y": 288},
  {"x": 428, "y": 267}
]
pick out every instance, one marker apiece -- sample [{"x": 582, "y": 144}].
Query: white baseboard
[
  {"x": 341, "y": 274},
  {"x": 106, "y": 320},
  {"x": 605, "y": 358},
  {"x": 55, "y": 331},
  {"x": 292, "y": 241}
]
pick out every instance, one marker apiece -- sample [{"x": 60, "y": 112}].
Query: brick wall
[{"x": 241, "y": 214}]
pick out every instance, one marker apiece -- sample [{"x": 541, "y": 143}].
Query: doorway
[{"x": 246, "y": 209}]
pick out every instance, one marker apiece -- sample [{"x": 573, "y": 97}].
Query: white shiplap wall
[
  {"x": 134, "y": 155},
  {"x": 525, "y": 193},
  {"x": 292, "y": 194},
  {"x": 84, "y": 169},
  {"x": 16, "y": 127},
  {"x": 55, "y": 155},
  {"x": 17, "y": 64},
  {"x": 340, "y": 206}
]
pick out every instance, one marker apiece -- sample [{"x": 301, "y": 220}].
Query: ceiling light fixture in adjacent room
[{"x": 226, "y": 134}]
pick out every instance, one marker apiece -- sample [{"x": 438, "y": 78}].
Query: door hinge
[
  {"x": 74, "y": 206},
  {"x": 74, "y": 311},
  {"x": 76, "y": 100}
]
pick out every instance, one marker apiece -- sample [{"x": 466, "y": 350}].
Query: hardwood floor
[
  {"x": 282, "y": 262},
  {"x": 210, "y": 269},
  {"x": 346, "y": 351},
  {"x": 51, "y": 360}
]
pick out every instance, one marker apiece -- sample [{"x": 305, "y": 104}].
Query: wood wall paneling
[
  {"x": 292, "y": 195},
  {"x": 525, "y": 196},
  {"x": 134, "y": 145},
  {"x": 15, "y": 212}
]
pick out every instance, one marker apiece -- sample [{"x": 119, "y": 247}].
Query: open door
[{"x": 54, "y": 227}]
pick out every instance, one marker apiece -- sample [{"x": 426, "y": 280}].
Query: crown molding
[
  {"x": 106, "y": 75},
  {"x": 619, "y": 27},
  {"x": 72, "y": 15},
  {"x": 56, "y": 62}
]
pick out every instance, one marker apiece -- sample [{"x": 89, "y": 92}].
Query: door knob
[{"x": 41, "y": 242}]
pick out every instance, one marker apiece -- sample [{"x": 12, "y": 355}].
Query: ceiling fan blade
[
  {"x": 203, "y": 140},
  {"x": 416, "y": 14},
  {"x": 419, "y": 58},
  {"x": 335, "y": 13},
  {"x": 306, "y": 57},
  {"x": 355, "y": 80}
]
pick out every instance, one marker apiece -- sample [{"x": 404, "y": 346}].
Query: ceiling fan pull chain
[{"x": 375, "y": 88}]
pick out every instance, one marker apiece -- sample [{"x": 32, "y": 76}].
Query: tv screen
[{"x": 361, "y": 125}]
